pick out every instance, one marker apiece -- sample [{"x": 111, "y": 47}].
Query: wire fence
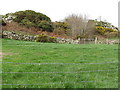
[
  {"x": 81, "y": 76},
  {"x": 106, "y": 71},
  {"x": 52, "y": 84},
  {"x": 89, "y": 71}
]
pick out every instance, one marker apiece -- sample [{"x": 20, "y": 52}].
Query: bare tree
[{"x": 77, "y": 23}]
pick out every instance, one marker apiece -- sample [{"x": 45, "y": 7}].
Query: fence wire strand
[
  {"x": 59, "y": 83},
  {"x": 65, "y": 72},
  {"x": 60, "y": 63}
]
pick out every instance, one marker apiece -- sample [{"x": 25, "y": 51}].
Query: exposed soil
[
  {"x": 3, "y": 54},
  {"x": 0, "y": 55}
]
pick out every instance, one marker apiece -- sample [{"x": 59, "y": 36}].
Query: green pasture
[{"x": 51, "y": 65}]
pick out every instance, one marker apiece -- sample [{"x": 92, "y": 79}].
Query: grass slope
[{"x": 78, "y": 75}]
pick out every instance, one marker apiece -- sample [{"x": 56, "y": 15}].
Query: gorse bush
[
  {"x": 111, "y": 34},
  {"x": 31, "y": 18},
  {"x": 103, "y": 30},
  {"x": 52, "y": 39},
  {"x": 30, "y": 15},
  {"x": 42, "y": 38},
  {"x": 27, "y": 23},
  {"x": 2, "y": 23},
  {"x": 61, "y": 28},
  {"x": 60, "y": 25},
  {"x": 45, "y": 38},
  {"x": 100, "y": 29},
  {"x": 46, "y": 26}
]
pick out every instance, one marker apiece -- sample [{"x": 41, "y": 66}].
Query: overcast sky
[{"x": 57, "y": 10}]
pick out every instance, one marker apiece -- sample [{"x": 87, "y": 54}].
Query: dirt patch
[{"x": 3, "y": 54}]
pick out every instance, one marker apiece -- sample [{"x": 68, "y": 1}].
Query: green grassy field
[{"x": 52, "y": 65}]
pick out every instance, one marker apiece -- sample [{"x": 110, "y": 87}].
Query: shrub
[
  {"x": 3, "y": 23},
  {"x": 42, "y": 38},
  {"x": 111, "y": 34},
  {"x": 103, "y": 30},
  {"x": 52, "y": 39},
  {"x": 30, "y": 15},
  {"x": 31, "y": 18},
  {"x": 100, "y": 29},
  {"x": 110, "y": 30},
  {"x": 80, "y": 36},
  {"x": 45, "y": 38},
  {"x": 46, "y": 26},
  {"x": 27, "y": 23},
  {"x": 61, "y": 28}
]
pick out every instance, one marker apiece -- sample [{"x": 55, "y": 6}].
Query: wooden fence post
[
  {"x": 107, "y": 41},
  {"x": 96, "y": 40}
]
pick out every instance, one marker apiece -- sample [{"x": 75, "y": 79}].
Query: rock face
[{"x": 16, "y": 36}]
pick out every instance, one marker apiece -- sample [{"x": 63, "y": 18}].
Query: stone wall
[
  {"x": 77, "y": 41},
  {"x": 16, "y": 36}
]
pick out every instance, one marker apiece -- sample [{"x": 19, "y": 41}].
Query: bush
[
  {"x": 31, "y": 18},
  {"x": 27, "y": 23},
  {"x": 30, "y": 15},
  {"x": 42, "y": 38},
  {"x": 2, "y": 23},
  {"x": 80, "y": 36},
  {"x": 100, "y": 29},
  {"x": 61, "y": 28},
  {"x": 103, "y": 30},
  {"x": 46, "y": 26},
  {"x": 52, "y": 39},
  {"x": 110, "y": 30},
  {"x": 111, "y": 34},
  {"x": 45, "y": 38}
]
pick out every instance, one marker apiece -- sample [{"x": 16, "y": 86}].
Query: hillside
[{"x": 34, "y": 23}]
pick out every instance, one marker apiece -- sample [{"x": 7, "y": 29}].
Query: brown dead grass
[
  {"x": 14, "y": 26},
  {"x": 4, "y": 54}
]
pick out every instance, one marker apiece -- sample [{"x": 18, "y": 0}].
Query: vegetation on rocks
[
  {"x": 31, "y": 18},
  {"x": 73, "y": 26}
]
